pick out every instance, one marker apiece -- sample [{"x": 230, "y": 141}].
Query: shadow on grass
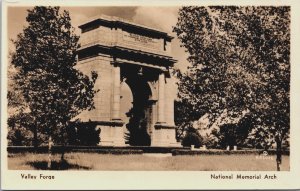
[{"x": 61, "y": 165}]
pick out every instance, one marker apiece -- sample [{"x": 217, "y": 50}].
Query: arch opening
[{"x": 137, "y": 114}]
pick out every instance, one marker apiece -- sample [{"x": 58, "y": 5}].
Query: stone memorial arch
[{"x": 126, "y": 54}]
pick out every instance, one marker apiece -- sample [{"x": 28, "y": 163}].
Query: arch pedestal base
[
  {"x": 111, "y": 133},
  {"x": 164, "y": 135}
]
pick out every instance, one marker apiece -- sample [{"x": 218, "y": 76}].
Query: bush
[
  {"x": 192, "y": 137},
  {"x": 21, "y": 132},
  {"x": 210, "y": 141},
  {"x": 234, "y": 134},
  {"x": 85, "y": 134}
]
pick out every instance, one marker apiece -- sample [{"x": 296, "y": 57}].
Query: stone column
[
  {"x": 116, "y": 93},
  {"x": 117, "y": 129},
  {"x": 161, "y": 98}
]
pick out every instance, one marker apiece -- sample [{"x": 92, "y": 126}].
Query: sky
[{"x": 162, "y": 18}]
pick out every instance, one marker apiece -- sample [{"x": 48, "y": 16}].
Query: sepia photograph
[{"x": 136, "y": 88}]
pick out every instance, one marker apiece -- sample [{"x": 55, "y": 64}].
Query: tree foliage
[
  {"x": 240, "y": 62},
  {"x": 45, "y": 55}
]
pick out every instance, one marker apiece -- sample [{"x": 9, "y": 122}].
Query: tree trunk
[
  {"x": 49, "y": 152},
  {"x": 63, "y": 132},
  {"x": 62, "y": 158},
  {"x": 278, "y": 154},
  {"x": 35, "y": 138}
]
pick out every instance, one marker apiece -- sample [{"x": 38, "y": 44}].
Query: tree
[
  {"x": 45, "y": 55},
  {"x": 20, "y": 131},
  {"x": 240, "y": 62},
  {"x": 137, "y": 125},
  {"x": 19, "y": 121},
  {"x": 21, "y": 128}
]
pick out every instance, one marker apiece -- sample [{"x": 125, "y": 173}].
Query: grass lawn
[{"x": 94, "y": 161}]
